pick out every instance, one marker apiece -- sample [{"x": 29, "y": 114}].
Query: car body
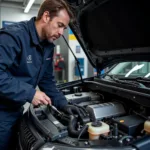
[{"x": 114, "y": 105}]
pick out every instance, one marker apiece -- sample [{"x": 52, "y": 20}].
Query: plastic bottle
[
  {"x": 97, "y": 128},
  {"x": 147, "y": 125}
]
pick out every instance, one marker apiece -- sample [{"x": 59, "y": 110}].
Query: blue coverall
[{"x": 25, "y": 62}]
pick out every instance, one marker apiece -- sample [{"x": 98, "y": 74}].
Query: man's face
[{"x": 56, "y": 26}]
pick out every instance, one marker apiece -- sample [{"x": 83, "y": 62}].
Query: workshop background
[{"x": 64, "y": 63}]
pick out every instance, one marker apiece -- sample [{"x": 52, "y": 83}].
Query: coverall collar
[{"x": 33, "y": 32}]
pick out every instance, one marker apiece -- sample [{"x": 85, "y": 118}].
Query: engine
[
  {"x": 97, "y": 122},
  {"x": 101, "y": 120}
]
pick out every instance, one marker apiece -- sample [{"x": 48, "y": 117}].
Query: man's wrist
[{"x": 31, "y": 95}]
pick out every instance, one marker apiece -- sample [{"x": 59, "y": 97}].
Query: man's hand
[{"x": 40, "y": 98}]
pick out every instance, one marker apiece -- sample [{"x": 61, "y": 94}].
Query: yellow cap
[{"x": 122, "y": 121}]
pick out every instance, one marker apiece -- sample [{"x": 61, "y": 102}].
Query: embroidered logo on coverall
[{"x": 29, "y": 59}]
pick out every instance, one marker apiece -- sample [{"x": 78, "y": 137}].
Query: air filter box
[{"x": 130, "y": 125}]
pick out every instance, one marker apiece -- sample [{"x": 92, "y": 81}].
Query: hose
[{"x": 72, "y": 126}]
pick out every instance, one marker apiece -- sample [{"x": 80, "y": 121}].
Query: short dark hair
[{"x": 53, "y": 7}]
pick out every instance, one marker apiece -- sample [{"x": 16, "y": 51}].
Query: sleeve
[
  {"x": 48, "y": 85},
  {"x": 10, "y": 87}
]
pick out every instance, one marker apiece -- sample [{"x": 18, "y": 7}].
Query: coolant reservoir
[
  {"x": 97, "y": 128},
  {"x": 147, "y": 125}
]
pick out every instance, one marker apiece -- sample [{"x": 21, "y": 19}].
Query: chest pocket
[
  {"x": 48, "y": 59},
  {"x": 47, "y": 63}
]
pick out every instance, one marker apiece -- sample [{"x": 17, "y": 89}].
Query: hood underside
[{"x": 112, "y": 31}]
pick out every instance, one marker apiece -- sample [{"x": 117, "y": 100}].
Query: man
[{"x": 26, "y": 53}]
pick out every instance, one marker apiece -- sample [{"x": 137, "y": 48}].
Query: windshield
[{"x": 131, "y": 69}]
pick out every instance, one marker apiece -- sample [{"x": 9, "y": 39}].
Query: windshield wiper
[
  {"x": 130, "y": 82},
  {"x": 139, "y": 79}
]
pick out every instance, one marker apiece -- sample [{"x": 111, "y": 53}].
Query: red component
[{"x": 59, "y": 63}]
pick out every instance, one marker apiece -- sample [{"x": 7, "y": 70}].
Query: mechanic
[{"x": 26, "y": 56}]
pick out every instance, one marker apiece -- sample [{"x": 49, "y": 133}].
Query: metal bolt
[{"x": 86, "y": 143}]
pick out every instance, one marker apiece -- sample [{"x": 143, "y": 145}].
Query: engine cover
[
  {"x": 85, "y": 99},
  {"x": 105, "y": 110}
]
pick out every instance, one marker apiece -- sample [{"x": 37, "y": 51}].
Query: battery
[{"x": 130, "y": 125}]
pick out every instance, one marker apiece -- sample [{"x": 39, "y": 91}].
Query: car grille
[{"x": 27, "y": 139}]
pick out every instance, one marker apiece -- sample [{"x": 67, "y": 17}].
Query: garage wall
[{"x": 15, "y": 15}]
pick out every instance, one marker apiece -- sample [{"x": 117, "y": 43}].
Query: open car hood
[{"x": 112, "y": 31}]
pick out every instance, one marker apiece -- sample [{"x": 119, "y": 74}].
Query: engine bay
[{"x": 102, "y": 120}]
